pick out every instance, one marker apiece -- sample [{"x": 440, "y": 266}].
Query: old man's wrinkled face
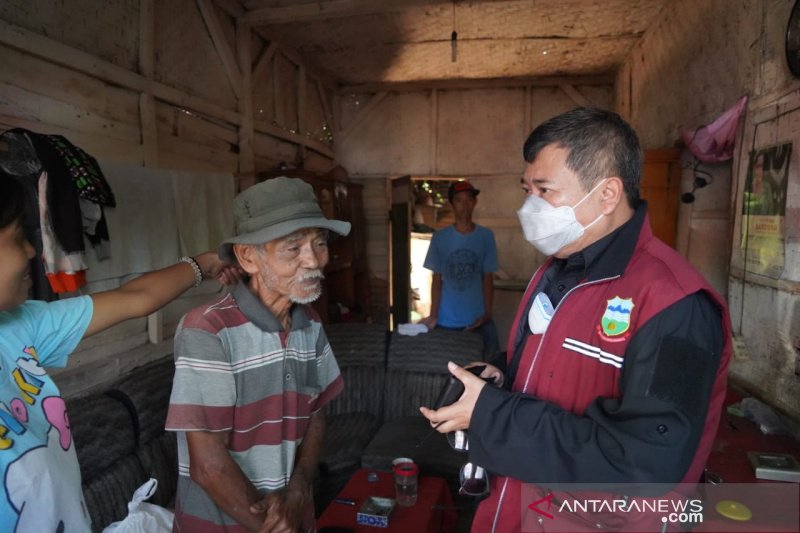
[{"x": 291, "y": 267}]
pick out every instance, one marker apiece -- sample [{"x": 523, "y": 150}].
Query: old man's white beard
[{"x": 311, "y": 274}]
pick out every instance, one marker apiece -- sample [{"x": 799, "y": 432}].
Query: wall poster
[{"x": 764, "y": 210}]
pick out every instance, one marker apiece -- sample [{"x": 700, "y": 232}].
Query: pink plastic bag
[{"x": 715, "y": 142}]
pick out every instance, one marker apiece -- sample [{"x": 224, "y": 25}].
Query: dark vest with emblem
[{"x": 580, "y": 356}]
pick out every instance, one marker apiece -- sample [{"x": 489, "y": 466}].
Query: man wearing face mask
[{"x": 618, "y": 355}]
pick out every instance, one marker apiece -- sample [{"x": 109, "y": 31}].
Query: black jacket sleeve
[{"x": 648, "y": 435}]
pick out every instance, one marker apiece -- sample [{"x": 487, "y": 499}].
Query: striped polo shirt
[{"x": 237, "y": 371}]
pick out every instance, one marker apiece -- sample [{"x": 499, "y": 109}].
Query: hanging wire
[{"x": 702, "y": 177}]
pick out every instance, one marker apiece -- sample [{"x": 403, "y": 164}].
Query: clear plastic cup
[{"x": 405, "y": 483}]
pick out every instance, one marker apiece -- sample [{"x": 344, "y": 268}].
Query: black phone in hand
[{"x": 453, "y": 389}]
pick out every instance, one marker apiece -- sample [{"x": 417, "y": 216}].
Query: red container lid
[{"x": 406, "y": 469}]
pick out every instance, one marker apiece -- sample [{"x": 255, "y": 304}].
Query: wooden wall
[
  {"x": 176, "y": 84},
  {"x": 460, "y": 130},
  {"x": 685, "y": 71}
]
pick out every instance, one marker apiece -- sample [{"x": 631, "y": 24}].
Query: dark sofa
[{"x": 121, "y": 443}]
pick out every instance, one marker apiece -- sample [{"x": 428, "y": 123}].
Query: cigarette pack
[
  {"x": 775, "y": 466},
  {"x": 375, "y": 512}
]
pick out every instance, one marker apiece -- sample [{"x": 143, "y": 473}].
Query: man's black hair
[
  {"x": 600, "y": 144},
  {"x": 12, "y": 201}
]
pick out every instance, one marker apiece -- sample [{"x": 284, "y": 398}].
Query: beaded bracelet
[{"x": 198, "y": 273}]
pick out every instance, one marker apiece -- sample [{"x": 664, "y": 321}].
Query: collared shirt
[{"x": 237, "y": 371}]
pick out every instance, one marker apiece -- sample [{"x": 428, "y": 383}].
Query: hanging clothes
[
  {"x": 71, "y": 193},
  {"x": 65, "y": 271}
]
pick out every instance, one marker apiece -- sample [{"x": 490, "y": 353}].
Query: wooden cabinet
[
  {"x": 345, "y": 296},
  {"x": 660, "y": 186}
]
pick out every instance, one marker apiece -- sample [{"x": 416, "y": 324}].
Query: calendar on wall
[{"x": 767, "y": 203}]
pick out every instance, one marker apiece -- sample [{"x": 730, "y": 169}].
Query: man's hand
[
  {"x": 481, "y": 320},
  {"x": 284, "y": 510},
  {"x": 490, "y": 372},
  {"x": 458, "y": 415},
  {"x": 214, "y": 268},
  {"x": 429, "y": 321}
]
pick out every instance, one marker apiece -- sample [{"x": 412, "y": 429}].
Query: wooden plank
[
  {"x": 326, "y": 108},
  {"x": 222, "y": 45},
  {"x": 147, "y": 110},
  {"x": 575, "y": 95},
  {"x": 336, "y": 127},
  {"x": 231, "y": 7},
  {"x": 527, "y": 120},
  {"x": 488, "y": 83},
  {"x": 244, "y": 56},
  {"x": 326, "y": 79},
  {"x": 364, "y": 113},
  {"x": 155, "y": 327},
  {"x": 275, "y": 131},
  {"x": 302, "y": 128},
  {"x": 301, "y": 100},
  {"x": 170, "y": 159},
  {"x": 264, "y": 61},
  {"x": 193, "y": 103},
  {"x": 146, "y": 38},
  {"x": 57, "y": 52},
  {"x": 97, "y": 145},
  {"x": 197, "y": 129},
  {"x": 15, "y": 101},
  {"x": 191, "y": 151},
  {"x": 67, "y": 85},
  {"x": 147, "y": 105},
  {"x": 326, "y": 9},
  {"x": 434, "y": 138},
  {"x": 61, "y": 54}
]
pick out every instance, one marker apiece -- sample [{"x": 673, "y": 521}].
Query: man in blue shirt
[{"x": 463, "y": 257}]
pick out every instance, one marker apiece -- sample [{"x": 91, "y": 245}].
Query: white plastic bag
[{"x": 144, "y": 517}]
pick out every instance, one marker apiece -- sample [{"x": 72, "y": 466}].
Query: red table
[
  {"x": 728, "y": 460},
  {"x": 434, "y": 511}
]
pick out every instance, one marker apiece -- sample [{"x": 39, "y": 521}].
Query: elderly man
[
  {"x": 618, "y": 355},
  {"x": 252, "y": 371}
]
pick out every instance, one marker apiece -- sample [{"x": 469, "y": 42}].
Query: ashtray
[{"x": 375, "y": 512}]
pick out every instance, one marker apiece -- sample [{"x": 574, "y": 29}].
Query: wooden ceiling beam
[
  {"x": 231, "y": 7},
  {"x": 67, "y": 56},
  {"x": 264, "y": 60},
  {"x": 222, "y": 46},
  {"x": 575, "y": 95},
  {"x": 487, "y": 83},
  {"x": 325, "y": 9},
  {"x": 295, "y": 58}
]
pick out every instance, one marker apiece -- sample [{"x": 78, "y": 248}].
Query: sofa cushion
[
  {"x": 148, "y": 389},
  {"x": 108, "y": 493},
  {"x": 412, "y": 437},
  {"x": 360, "y": 351},
  {"x": 159, "y": 459},
  {"x": 346, "y": 436},
  {"x": 417, "y": 368},
  {"x": 103, "y": 432}
]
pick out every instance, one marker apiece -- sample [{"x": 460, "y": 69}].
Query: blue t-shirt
[
  {"x": 462, "y": 260},
  {"x": 41, "y": 476}
]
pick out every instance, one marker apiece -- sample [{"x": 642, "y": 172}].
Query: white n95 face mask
[{"x": 549, "y": 228}]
